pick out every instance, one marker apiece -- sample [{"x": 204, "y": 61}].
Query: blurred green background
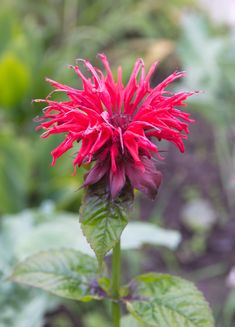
[{"x": 39, "y": 39}]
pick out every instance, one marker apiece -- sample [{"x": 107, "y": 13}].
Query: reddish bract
[{"x": 116, "y": 124}]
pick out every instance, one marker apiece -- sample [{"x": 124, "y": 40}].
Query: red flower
[{"x": 116, "y": 124}]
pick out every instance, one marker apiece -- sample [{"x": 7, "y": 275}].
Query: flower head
[{"x": 117, "y": 124}]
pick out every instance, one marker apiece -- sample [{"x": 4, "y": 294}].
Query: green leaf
[
  {"x": 129, "y": 321},
  {"x": 164, "y": 301},
  {"x": 102, "y": 219},
  {"x": 66, "y": 273}
]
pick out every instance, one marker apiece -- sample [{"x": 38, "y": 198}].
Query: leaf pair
[{"x": 153, "y": 299}]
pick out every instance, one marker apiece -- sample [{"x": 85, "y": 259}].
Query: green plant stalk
[{"x": 115, "y": 285}]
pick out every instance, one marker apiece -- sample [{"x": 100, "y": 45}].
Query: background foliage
[{"x": 40, "y": 39}]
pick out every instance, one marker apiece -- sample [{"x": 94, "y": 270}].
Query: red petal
[
  {"x": 96, "y": 173},
  {"x": 63, "y": 147},
  {"x": 132, "y": 146},
  {"x": 148, "y": 181},
  {"x": 117, "y": 180},
  {"x": 113, "y": 154}
]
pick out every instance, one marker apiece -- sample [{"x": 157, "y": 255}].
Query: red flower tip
[{"x": 117, "y": 124}]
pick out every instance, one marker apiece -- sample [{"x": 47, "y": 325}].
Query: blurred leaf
[
  {"x": 63, "y": 232},
  {"x": 24, "y": 234},
  {"x": 103, "y": 219},
  {"x": 164, "y": 300},
  {"x": 198, "y": 215},
  {"x": 136, "y": 234},
  {"x": 206, "y": 69},
  {"x": 20, "y": 54},
  {"x": 23, "y": 308},
  {"x": 9, "y": 26},
  {"x": 20, "y": 306},
  {"x": 95, "y": 319},
  {"x": 56, "y": 183},
  {"x": 229, "y": 310},
  {"x": 192, "y": 56},
  {"x": 15, "y": 164},
  {"x": 66, "y": 273}
]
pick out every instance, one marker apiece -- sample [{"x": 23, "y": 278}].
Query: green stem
[{"x": 116, "y": 268}]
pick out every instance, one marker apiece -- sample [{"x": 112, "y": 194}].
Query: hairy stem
[{"x": 116, "y": 267}]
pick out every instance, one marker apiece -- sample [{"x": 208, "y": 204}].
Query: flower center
[{"x": 120, "y": 120}]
